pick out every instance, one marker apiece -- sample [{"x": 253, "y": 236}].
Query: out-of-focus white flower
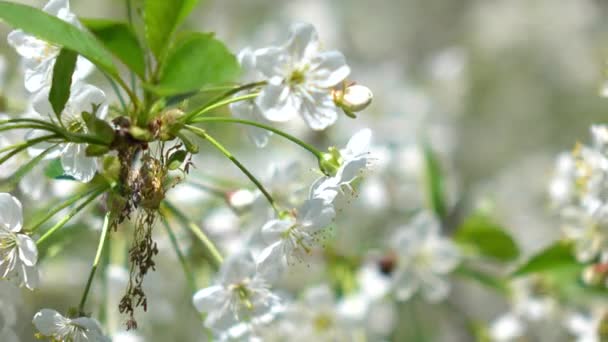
[
  {"x": 83, "y": 97},
  {"x": 241, "y": 294},
  {"x": 562, "y": 187},
  {"x": 579, "y": 190},
  {"x": 588, "y": 327},
  {"x": 343, "y": 165},
  {"x": 300, "y": 77},
  {"x": 423, "y": 259},
  {"x": 18, "y": 252},
  {"x": 293, "y": 237},
  {"x": 507, "y": 327},
  {"x": 317, "y": 317},
  {"x": 39, "y": 56},
  {"x": 249, "y": 110},
  {"x": 8, "y": 319},
  {"x": 529, "y": 305},
  {"x": 52, "y": 324}
]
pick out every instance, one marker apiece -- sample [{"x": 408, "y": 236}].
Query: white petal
[
  {"x": 434, "y": 288},
  {"x": 29, "y": 276},
  {"x": 277, "y": 102},
  {"x": 48, "y": 321},
  {"x": 316, "y": 214},
  {"x": 42, "y": 105},
  {"x": 406, "y": 284},
  {"x": 325, "y": 188},
  {"x": 359, "y": 143},
  {"x": 319, "y": 110},
  {"x": 83, "y": 96},
  {"x": 28, "y": 253},
  {"x": 237, "y": 267},
  {"x": 92, "y": 325},
  {"x": 248, "y": 110},
  {"x": 271, "y": 62},
  {"x": 11, "y": 213},
  {"x": 350, "y": 170},
  {"x": 273, "y": 229},
  {"x": 446, "y": 256},
  {"x": 76, "y": 164},
  {"x": 204, "y": 300},
  {"x": 303, "y": 42},
  {"x": 329, "y": 69}
]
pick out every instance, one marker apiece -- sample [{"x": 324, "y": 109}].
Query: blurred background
[{"x": 497, "y": 87}]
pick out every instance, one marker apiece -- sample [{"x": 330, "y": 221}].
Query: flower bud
[
  {"x": 241, "y": 199},
  {"x": 353, "y": 98}
]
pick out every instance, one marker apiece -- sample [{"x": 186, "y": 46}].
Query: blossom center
[{"x": 323, "y": 322}]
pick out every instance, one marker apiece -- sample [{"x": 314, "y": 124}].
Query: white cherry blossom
[
  {"x": 18, "y": 252},
  {"x": 300, "y": 78},
  {"x": 83, "y": 97},
  {"x": 423, "y": 259},
  {"x": 39, "y": 56},
  {"x": 52, "y": 324},
  {"x": 344, "y": 165},
  {"x": 293, "y": 237},
  {"x": 241, "y": 294}
]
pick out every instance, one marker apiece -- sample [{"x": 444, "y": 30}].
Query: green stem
[
  {"x": 180, "y": 256},
  {"x": 117, "y": 92},
  {"x": 287, "y": 136},
  {"x": 129, "y": 92},
  {"x": 188, "y": 118},
  {"x": 24, "y": 146},
  {"x": 21, "y": 120},
  {"x": 100, "y": 246},
  {"x": 62, "y": 206},
  {"x": 204, "y": 135},
  {"x": 9, "y": 183},
  {"x": 49, "y": 128},
  {"x": 70, "y": 215},
  {"x": 26, "y": 143},
  {"x": 220, "y": 99},
  {"x": 197, "y": 231}
]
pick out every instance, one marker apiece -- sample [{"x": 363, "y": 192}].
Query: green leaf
[
  {"x": 482, "y": 278},
  {"x": 58, "y": 32},
  {"x": 54, "y": 169},
  {"x": 161, "y": 18},
  {"x": 120, "y": 39},
  {"x": 62, "y": 80},
  {"x": 486, "y": 238},
  {"x": 98, "y": 127},
  {"x": 176, "y": 159},
  {"x": 556, "y": 256},
  {"x": 434, "y": 182},
  {"x": 196, "y": 59}
]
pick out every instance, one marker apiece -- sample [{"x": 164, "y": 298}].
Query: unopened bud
[
  {"x": 353, "y": 98},
  {"x": 240, "y": 199}
]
